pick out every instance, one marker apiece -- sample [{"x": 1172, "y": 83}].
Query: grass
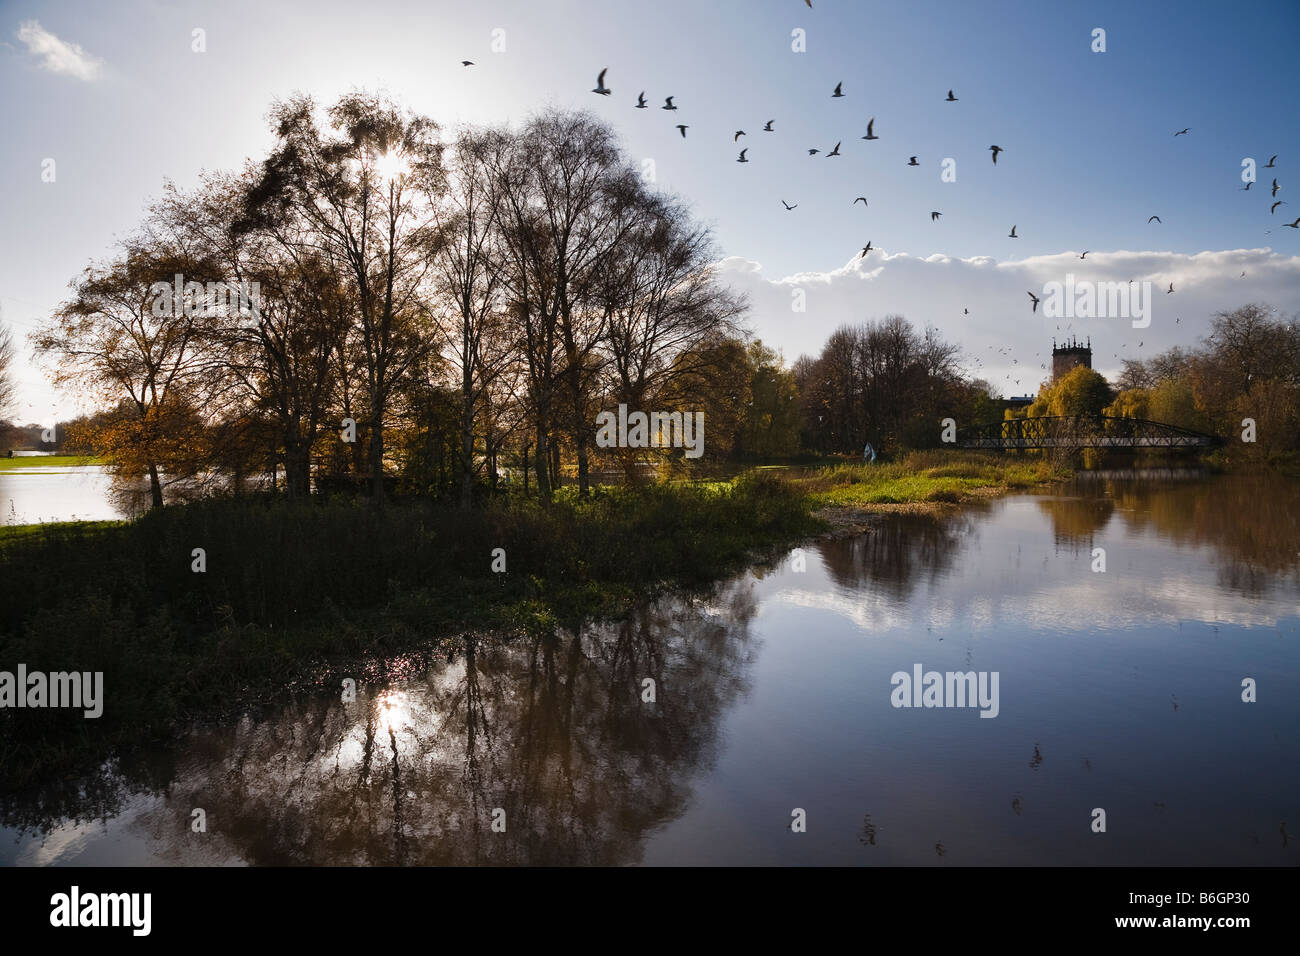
[
  {"x": 298, "y": 593},
  {"x": 922, "y": 477},
  {"x": 38, "y": 462}
]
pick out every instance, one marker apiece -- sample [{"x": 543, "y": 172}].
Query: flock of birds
[{"x": 602, "y": 89}]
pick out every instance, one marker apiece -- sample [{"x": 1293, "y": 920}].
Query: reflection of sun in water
[{"x": 393, "y": 711}]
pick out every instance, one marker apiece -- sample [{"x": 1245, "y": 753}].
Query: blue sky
[{"x": 1088, "y": 139}]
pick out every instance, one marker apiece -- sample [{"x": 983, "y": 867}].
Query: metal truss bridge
[{"x": 1082, "y": 431}]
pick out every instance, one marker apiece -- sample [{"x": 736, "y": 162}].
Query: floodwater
[
  {"x": 42, "y": 495},
  {"x": 1118, "y": 690}
]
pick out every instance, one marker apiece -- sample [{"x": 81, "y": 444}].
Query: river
[{"x": 773, "y": 737}]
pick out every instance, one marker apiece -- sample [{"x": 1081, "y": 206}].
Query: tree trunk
[
  {"x": 377, "y": 458},
  {"x": 155, "y": 487}
]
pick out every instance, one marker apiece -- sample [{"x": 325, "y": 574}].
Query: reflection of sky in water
[
  {"x": 35, "y": 495},
  {"x": 1118, "y": 690}
]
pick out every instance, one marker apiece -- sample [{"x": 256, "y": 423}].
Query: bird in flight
[
  {"x": 913, "y": 162},
  {"x": 1035, "y": 298},
  {"x": 934, "y": 216},
  {"x": 1269, "y": 164},
  {"x": 683, "y": 128},
  {"x": 996, "y": 150},
  {"x": 466, "y": 62},
  {"x": 951, "y": 98},
  {"x": 601, "y": 88},
  {"x": 865, "y": 250},
  {"x": 1276, "y": 187},
  {"x": 860, "y": 199},
  {"x": 640, "y": 101},
  {"x": 965, "y": 311},
  {"x": 1085, "y": 253},
  {"x": 742, "y": 158},
  {"x": 1246, "y": 188},
  {"x": 1012, "y": 234},
  {"x": 767, "y": 127},
  {"x": 739, "y": 133},
  {"x": 870, "y": 135},
  {"x": 813, "y": 152},
  {"x": 1170, "y": 290},
  {"x": 838, "y": 90},
  {"x": 1273, "y": 208},
  {"x": 788, "y": 206},
  {"x": 834, "y": 152},
  {"x": 668, "y": 104},
  {"x": 1155, "y": 218},
  {"x": 1293, "y": 225},
  {"x": 1183, "y": 131}
]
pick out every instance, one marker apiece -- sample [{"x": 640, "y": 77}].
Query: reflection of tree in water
[
  {"x": 552, "y": 729},
  {"x": 1076, "y": 519},
  {"x": 898, "y": 551},
  {"x": 1252, "y": 522}
]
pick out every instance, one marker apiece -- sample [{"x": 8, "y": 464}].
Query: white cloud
[
  {"x": 59, "y": 56},
  {"x": 935, "y": 290}
]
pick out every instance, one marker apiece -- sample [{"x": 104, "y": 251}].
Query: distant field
[{"x": 47, "y": 461}]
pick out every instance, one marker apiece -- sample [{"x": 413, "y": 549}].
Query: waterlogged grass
[
  {"x": 923, "y": 477},
  {"x": 38, "y": 462}
]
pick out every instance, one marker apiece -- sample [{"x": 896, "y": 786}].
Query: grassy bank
[
  {"x": 922, "y": 480},
  {"x": 37, "y": 462},
  {"x": 312, "y": 591}
]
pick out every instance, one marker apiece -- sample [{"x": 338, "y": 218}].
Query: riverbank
[
  {"x": 207, "y": 610},
  {"x": 38, "y": 462}
]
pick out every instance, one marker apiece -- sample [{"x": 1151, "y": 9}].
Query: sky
[{"x": 117, "y": 95}]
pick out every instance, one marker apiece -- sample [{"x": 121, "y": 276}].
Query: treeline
[
  {"x": 469, "y": 305},
  {"x": 1247, "y": 367}
]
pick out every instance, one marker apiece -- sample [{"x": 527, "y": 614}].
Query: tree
[
  {"x": 366, "y": 191},
  {"x": 141, "y": 350}
]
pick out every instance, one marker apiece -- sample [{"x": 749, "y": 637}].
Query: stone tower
[{"x": 1069, "y": 355}]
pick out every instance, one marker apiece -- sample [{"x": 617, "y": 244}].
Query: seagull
[
  {"x": 860, "y": 199},
  {"x": 838, "y": 92},
  {"x": 668, "y": 104},
  {"x": 834, "y": 152},
  {"x": 1269, "y": 164},
  {"x": 870, "y": 135},
  {"x": 1170, "y": 290},
  {"x": 996, "y": 150},
  {"x": 1273, "y": 208},
  {"x": 934, "y": 216},
  {"x": 865, "y": 250},
  {"x": 913, "y": 162},
  {"x": 1085, "y": 253},
  {"x": 1182, "y": 131},
  {"x": 788, "y": 206},
  {"x": 951, "y": 98},
  {"x": 813, "y": 152},
  {"x": 1276, "y": 187},
  {"x": 1013, "y": 233},
  {"x": 1155, "y": 218},
  {"x": 739, "y": 133},
  {"x": 1293, "y": 225},
  {"x": 767, "y": 127},
  {"x": 466, "y": 62},
  {"x": 742, "y": 158},
  {"x": 1035, "y": 298},
  {"x": 601, "y": 88},
  {"x": 640, "y": 101},
  {"x": 683, "y": 129}
]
